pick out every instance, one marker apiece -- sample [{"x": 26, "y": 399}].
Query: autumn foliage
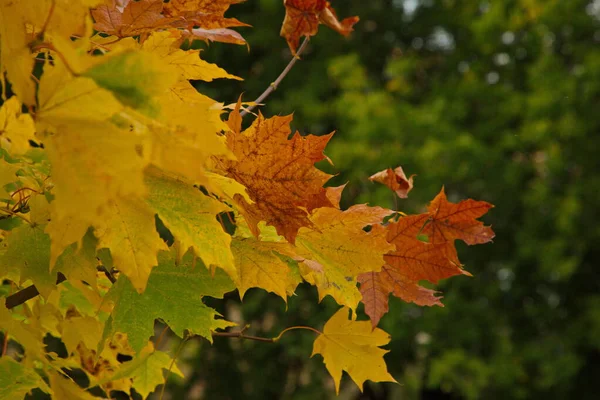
[{"x": 106, "y": 145}]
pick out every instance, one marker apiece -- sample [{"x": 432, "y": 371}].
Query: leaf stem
[
  {"x": 275, "y": 339},
  {"x": 51, "y": 47},
  {"x": 179, "y": 348},
  {"x": 273, "y": 86}
]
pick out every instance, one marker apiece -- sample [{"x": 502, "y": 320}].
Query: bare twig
[
  {"x": 241, "y": 335},
  {"x": 273, "y": 86},
  {"x": 28, "y": 293}
]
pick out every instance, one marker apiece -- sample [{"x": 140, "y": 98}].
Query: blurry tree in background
[{"x": 499, "y": 100}]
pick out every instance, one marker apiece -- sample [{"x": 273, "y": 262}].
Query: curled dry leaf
[
  {"x": 302, "y": 18},
  {"x": 395, "y": 179},
  {"x": 203, "y": 19}
]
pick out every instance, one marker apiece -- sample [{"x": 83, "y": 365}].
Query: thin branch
[
  {"x": 28, "y": 293},
  {"x": 273, "y": 86},
  {"x": 241, "y": 335},
  {"x": 24, "y": 295}
]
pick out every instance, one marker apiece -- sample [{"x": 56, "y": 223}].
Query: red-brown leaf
[
  {"x": 450, "y": 221},
  {"x": 375, "y": 288}
]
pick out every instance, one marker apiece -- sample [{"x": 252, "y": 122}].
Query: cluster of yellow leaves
[{"x": 108, "y": 145}]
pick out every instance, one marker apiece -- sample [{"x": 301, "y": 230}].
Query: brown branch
[
  {"x": 28, "y": 293},
  {"x": 241, "y": 335},
  {"x": 273, "y": 86},
  {"x": 23, "y": 295}
]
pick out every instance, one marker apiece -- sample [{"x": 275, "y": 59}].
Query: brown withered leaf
[
  {"x": 375, "y": 288},
  {"x": 396, "y": 180},
  {"x": 302, "y": 18},
  {"x": 278, "y": 172},
  {"x": 449, "y": 221}
]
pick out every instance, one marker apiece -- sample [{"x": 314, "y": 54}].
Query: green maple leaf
[{"x": 174, "y": 294}]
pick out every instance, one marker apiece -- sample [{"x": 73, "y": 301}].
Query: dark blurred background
[{"x": 497, "y": 100}]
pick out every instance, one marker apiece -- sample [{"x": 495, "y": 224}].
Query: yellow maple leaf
[
  {"x": 353, "y": 346},
  {"x": 258, "y": 264},
  {"x": 16, "y": 58},
  {"x": 188, "y": 63},
  {"x": 337, "y": 249},
  {"x": 16, "y": 129}
]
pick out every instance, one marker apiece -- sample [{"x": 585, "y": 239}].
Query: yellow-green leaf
[
  {"x": 16, "y": 380},
  {"x": 192, "y": 219}
]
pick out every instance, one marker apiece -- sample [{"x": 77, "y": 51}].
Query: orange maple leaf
[
  {"x": 450, "y": 221},
  {"x": 302, "y": 18},
  {"x": 278, "y": 172},
  {"x": 376, "y": 287},
  {"x": 415, "y": 260},
  {"x": 395, "y": 179}
]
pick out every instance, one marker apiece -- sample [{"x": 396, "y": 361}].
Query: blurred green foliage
[{"x": 496, "y": 100}]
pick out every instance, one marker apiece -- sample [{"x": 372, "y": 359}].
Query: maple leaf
[
  {"x": 395, "y": 179},
  {"x": 414, "y": 260},
  {"x": 261, "y": 264},
  {"x": 188, "y": 138},
  {"x": 279, "y": 174},
  {"x": 142, "y": 76},
  {"x": 353, "y": 346},
  {"x": 192, "y": 219},
  {"x": 15, "y": 58},
  {"x": 128, "y": 230},
  {"x": 146, "y": 370},
  {"x": 165, "y": 44},
  {"x": 136, "y": 18},
  {"x": 449, "y": 221},
  {"x": 66, "y": 388},
  {"x": 375, "y": 288},
  {"x": 27, "y": 255},
  {"x": 338, "y": 249},
  {"x": 302, "y": 18},
  {"x": 174, "y": 294},
  {"x": 17, "y": 380},
  {"x": 16, "y": 129},
  {"x": 207, "y": 14}
]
